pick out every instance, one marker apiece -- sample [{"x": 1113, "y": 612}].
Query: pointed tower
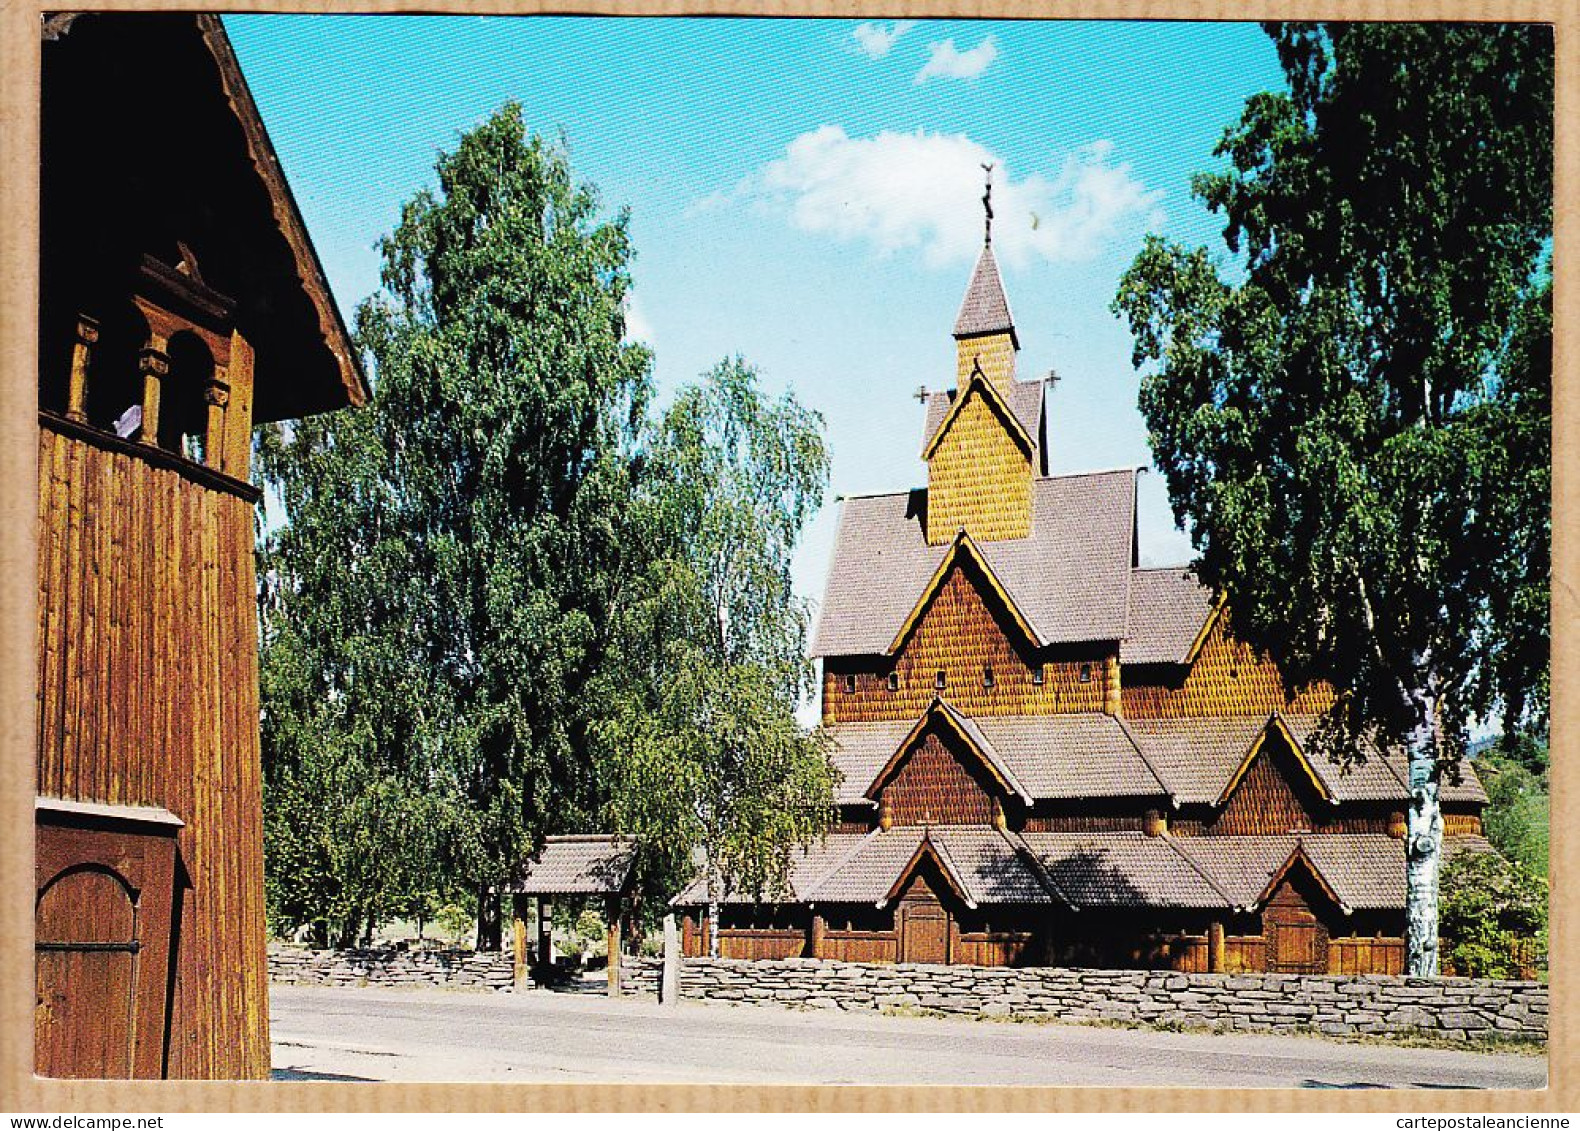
[{"x": 981, "y": 457}]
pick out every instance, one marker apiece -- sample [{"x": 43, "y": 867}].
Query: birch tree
[
  {"x": 700, "y": 749},
  {"x": 1353, "y": 412}
]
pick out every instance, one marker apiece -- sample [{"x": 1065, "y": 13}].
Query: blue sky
[{"x": 805, "y": 193}]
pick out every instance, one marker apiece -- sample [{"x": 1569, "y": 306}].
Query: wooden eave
[
  {"x": 1276, "y": 720},
  {"x": 999, "y": 405},
  {"x": 1298, "y": 853},
  {"x": 977, "y": 743},
  {"x": 946, "y": 867},
  {"x": 354, "y": 388},
  {"x": 1206, "y": 628},
  {"x": 962, "y": 544}
]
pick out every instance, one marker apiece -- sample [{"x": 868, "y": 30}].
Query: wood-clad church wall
[
  {"x": 148, "y": 695},
  {"x": 1226, "y": 679},
  {"x": 938, "y": 784},
  {"x": 993, "y": 353},
  {"x": 979, "y": 477},
  {"x": 961, "y": 633}
]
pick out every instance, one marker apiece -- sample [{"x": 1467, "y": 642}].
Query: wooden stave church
[
  {"x": 1054, "y": 756},
  {"x": 177, "y": 279}
]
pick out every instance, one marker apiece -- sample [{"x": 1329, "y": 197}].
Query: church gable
[
  {"x": 966, "y": 645},
  {"x": 1274, "y": 792},
  {"x": 979, "y": 471},
  {"x": 1225, "y": 677},
  {"x": 939, "y": 780}
]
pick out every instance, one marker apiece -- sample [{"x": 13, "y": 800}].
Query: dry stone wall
[
  {"x": 1338, "y": 1005},
  {"x": 390, "y": 966}
]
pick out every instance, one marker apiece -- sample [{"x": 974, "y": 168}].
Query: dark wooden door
[{"x": 101, "y": 951}]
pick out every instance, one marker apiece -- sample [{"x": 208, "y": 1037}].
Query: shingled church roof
[
  {"x": 1070, "y": 577},
  {"x": 1365, "y": 871},
  {"x": 1191, "y": 760},
  {"x": 1169, "y": 610}
]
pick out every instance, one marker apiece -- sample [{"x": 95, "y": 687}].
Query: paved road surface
[{"x": 398, "y": 1034}]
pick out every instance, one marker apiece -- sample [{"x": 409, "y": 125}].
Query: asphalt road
[{"x": 398, "y": 1034}]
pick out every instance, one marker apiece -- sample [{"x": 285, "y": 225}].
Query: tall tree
[
  {"x": 485, "y": 520},
  {"x": 700, "y": 747},
  {"x": 1354, "y": 421}
]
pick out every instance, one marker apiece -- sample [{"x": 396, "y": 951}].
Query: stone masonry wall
[
  {"x": 1333, "y": 1004},
  {"x": 390, "y": 966}
]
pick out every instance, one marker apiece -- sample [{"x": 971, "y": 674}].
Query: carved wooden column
[
  {"x": 81, "y": 353},
  {"x": 1215, "y": 947},
  {"x": 216, "y": 395},
  {"x": 154, "y": 364},
  {"x": 819, "y": 929}
]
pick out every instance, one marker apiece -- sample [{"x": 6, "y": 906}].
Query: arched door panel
[{"x": 102, "y": 928}]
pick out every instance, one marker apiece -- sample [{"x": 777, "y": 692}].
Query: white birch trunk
[
  {"x": 1423, "y": 849},
  {"x": 713, "y": 929}
]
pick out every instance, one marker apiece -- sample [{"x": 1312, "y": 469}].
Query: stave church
[{"x": 1054, "y": 756}]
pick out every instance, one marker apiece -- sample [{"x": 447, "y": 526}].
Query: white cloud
[
  {"x": 922, "y": 190},
  {"x": 875, "y": 40},
  {"x": 945, "y": 62},
  {"x": 637, "y": 327}
]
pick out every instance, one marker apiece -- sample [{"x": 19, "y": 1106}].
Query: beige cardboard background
[{"x": 21, "y": 1093}]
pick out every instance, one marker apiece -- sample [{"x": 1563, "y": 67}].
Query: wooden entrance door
[
  {"x": 924, "y": 926},
  {"x": 102, "y": 920},
  {"x": 1297, "y": 941}
]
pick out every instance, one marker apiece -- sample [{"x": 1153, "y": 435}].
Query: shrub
[{"x": 1490, "y": 905}]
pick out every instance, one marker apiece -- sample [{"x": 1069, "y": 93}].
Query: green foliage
[
  {"x": 1518, "y": 813},
  {"x": 700, "y": 747},
  {"x": 1355, "y": 420},
  {"x": 506, "y": 601},
  {"x": 1490, "y": 906},
  {"x": 439, "y": 599}
]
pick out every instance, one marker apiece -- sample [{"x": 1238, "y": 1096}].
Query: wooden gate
[{"x": 102, "y": 923}]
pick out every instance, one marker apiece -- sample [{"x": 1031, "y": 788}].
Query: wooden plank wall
[
  {"x": 148, "y": 694},
  {"x": 1351, "y": 955},
  {"x": 761, "y": 944}
]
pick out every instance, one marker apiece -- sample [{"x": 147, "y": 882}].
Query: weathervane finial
[{"x": 987, "y": 205}]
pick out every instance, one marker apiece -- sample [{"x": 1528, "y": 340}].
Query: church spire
[{"x": 986, "y": 309}]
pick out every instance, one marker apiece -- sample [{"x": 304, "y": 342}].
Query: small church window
[
  {"x": 987, "y": 677},
  {"x": 1039, "y": 674},
  {"x": 850, "y": 685},
  {"x": 1086, "y": 673},
  {"x": 940, "y": 681},
  {"x": 894, "y": 681}
]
